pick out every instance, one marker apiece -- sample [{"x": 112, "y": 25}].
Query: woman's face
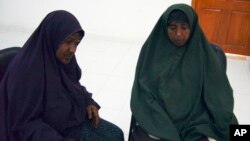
[
  {"x": 67, "y": 48},
  {"x": 178, "y": 32}
]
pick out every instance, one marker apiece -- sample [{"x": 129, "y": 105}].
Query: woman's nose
[
  {"x": 178, "y": 32},
  {"x": 73, "y": 48}
]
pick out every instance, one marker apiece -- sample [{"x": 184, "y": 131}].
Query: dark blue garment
[
  {"x": 105, "y": 131},
  {"x": 41, "y": 99}
]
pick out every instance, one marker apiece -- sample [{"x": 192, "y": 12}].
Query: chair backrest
[
  {"x": 6, "y": 55},
  {"x": 221, "y": 55}
]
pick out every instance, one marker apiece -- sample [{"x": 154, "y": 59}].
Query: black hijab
[{"x": 42, "y": 99}]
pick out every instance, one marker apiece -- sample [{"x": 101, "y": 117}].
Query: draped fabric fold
[
  {"x": 41, "y": 99},
  {"x": 181, "y": 93}
]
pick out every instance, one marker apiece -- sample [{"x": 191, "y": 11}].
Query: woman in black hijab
[{"x": 41, "y": 98}]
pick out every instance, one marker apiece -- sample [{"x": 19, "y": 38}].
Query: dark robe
[
  {"x": 6, "y": 55},
  {"x": 181, "y": 93},
  {"x": 41, "y": 99}
]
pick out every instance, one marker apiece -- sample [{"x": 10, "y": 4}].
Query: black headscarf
[
  {"x": 178, "y": 16},
  {"x": 40, "y": 98}
]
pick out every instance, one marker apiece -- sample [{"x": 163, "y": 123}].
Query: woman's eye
[
  {"x": 76, "y": 43},
  {"x": 185, "y": 27},
  {"x": 172, "y": 27},
  {"x": 68, "y": 42}
]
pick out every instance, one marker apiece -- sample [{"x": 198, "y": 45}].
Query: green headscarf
[{"x": 181, "y": 93}]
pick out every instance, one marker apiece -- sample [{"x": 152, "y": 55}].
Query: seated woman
[
  {"x": 181, "y": 91},
  {"x": 41, "y": 98}
]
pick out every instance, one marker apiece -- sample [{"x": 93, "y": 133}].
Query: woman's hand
[{"x": 93, "y": 114}]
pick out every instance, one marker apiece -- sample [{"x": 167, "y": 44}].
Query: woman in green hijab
[{"x": 181, "y": 91}]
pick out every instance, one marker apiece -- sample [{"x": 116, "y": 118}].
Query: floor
[{"x": 108, "y": 67}]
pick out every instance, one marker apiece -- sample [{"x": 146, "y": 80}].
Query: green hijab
[{"x": 181, "y": 93}]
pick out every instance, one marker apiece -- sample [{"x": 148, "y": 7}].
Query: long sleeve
[
  {"x": 37, "y": 130},
  {"x": 25, "y": 124},
  {"x": 20, "y": 120},
  {"x": 89, "y": 99}
]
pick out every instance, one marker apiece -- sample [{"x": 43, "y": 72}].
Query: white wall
[{"x": 117, "y": 18}]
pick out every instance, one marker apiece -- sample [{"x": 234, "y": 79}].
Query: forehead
[
  {"x": 73, "y": 37},
  {"x": 178, "y": 23}
]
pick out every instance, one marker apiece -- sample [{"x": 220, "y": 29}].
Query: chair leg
[{"x": 132, "y": 124}]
